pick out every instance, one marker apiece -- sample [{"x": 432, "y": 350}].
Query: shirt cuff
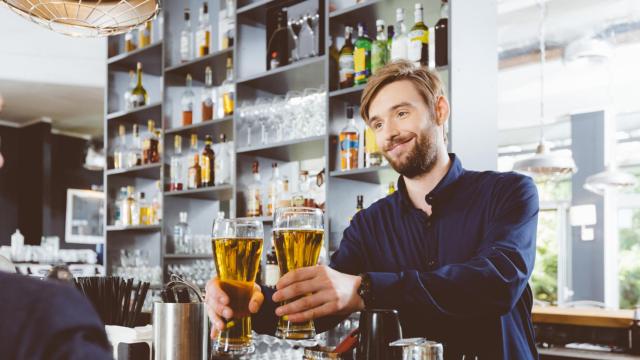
[{"x": 385, "y": 288}]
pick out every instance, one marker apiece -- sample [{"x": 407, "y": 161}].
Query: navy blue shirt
[{"x": 459, "y": 276}]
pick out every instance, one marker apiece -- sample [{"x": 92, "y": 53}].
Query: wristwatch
[{"x": 364, "y": 290}]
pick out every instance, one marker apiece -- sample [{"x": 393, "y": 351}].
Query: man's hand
[
  {"x": 218, "y": 306},
  {"x": 329, "y": 292}
]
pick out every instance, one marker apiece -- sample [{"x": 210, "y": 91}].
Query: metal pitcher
[{"x": 180, "y": 331}]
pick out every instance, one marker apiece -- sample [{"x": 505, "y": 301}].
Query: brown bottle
[
  {"x": 194, "y": 173},
  {"x": 207, "y": 163}
]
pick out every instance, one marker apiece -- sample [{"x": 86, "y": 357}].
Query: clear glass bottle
[
  {"x": 186, "y": 39},
  {"x": 156, "y": 205},
  {"x": 144, "y": 34},
  {"x": 302, "y": 197},
  {"x": 284, "y": 199},
  {"x": 345, "y": 62},
  {"x": 349, "y": 143},
  {"x": 362, "y": 56},
  {"x": 372, "y": 153},
  {"x": 188, "y": 100},
  {"x": 135, "y": 210},
  {"x": 135, "y": 150},
  {"x": 129, "y": 43},
  {"x": 418, "y": 49},
  {"x": 177, "y": 171},
  {"x": 195, "y": 173},
  {"x": 144, "y": 207},
  {"x": 121, "y": 197},
  {"x": 128, "y": 206},
  {"x": 182, "y": 235},
  {"x": 442, "y": 35},
  {"x": 272, "y": 271},
  {"x": 230, "y": 25},
  {"x": 390, "y": 34},
  {"x": 188, "y": 159},
  {"x": 400, "y": 41},
  {"x": 139, "y": 96},
  {"x": 275, "y": 189},
  {"x": 228, "y": 90},
  {"x": 208, "y": 95},
  {"x": 207, "y": 163},
  {"x": 128, "y": 101},
  {"x": 223, "y": 162},
  {"x": 203, "y": 36},
  {"x": 120, "y": 150},
  {"x": 254, "y": 194},
  {"x": 379, "y": 55}
]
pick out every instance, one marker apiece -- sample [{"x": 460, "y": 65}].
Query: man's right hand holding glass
[{"x": 218, "y": 306}]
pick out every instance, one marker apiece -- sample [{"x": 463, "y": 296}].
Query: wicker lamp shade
[{"x": 89, "y": 18}]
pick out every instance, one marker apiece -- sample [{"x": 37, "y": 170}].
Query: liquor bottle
[
  {"x": 160, "y": 144},
  {"x": 278, "y": 47},
  {"x": 390, "y": 35},
  {"x": 156, "y": 205},
  {"x": 362, "y": 56},
  {"x": 284, "y": 199},
  {"x": 372, "y": 153},
  {"x": 208, "y": 95},
  {"x": 128, "y": 104},
  {"x": 334, "y": 61},
  {"x": 188, "y": 98},
  {"x": 120, "y": 151},
  {"x": 193, "y": 150},
  {"x": 228, "y": 90},
  {"x": 399, "y": 44},
  {"x": 135, "y": 151},
  {"x": 128, "y": 206},
  {"x": 186, "y": 39},
  {"x": 379, "y": 54},
  {"x": 254, "y": 196},
  {"x": 272, "y": 271},
  {"x": 207, "y": 163},
  {"x": 274, "y": 191},
  {"x": 129, "y": 44},
  {"x": 159, "y": 33},
  {"x": 391, "y": 189},
  {"x": 345, "y": 61},
  {"x": 121, "y": 196},
  {"x": 194, "y": 173},
  {"x": 182, "y": 234},
  {"x": 203, "y": 36},
  {"x": 230, "y": 25},
  {"x": 144, "y": 35},
  {"x": 150, "y": 147},
  {"x": 135, "y": 211},
  {"x": 442, "y": 35},
  {"x": 223, "y": 162},
  {"x": 349, "y": 143},
  {"x": 177, "y": 171},
  {"x": 145, "y": 212},
  {"x": 359, "y": 203},
  {"x": 139, "y": 96},
  {"x": 418, "y": 49}
]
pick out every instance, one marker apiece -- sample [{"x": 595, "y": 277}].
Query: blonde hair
[{"x": 427, "y": 83}]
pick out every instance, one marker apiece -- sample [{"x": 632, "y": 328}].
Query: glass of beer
[
  {"x": 298, "y": 233},
  {"x": 237, "y": 249}
]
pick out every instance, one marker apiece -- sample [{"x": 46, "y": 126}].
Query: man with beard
[{"x": 452, "y": 250}]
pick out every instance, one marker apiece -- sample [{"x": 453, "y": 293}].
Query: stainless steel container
[
  {"x": 419, "y": 349},
  {"x": 180, "y": 331}
]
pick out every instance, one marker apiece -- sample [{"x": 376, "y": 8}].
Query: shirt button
[
  {"x": 431, "y": 263},
  {"x": 428, "y": 223}
]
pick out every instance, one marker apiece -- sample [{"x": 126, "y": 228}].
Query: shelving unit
[{"x": 252, "y": 81}]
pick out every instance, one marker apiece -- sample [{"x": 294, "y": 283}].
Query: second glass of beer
[
  {"x": 237, "y": 249},
  {"x": 298, "y": 233}
]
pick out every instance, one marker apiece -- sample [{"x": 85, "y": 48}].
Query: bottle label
[
  {"x": 399, "y": 48},
  {"x": 272, "y": 275},
  {"x": 378, "y": 56},
  {"x": 346, "y": 67},
  {"x": 360, "y": 64},
  {"x": 417, "y": 40},
  {"x": 137, "y": 100},
  {"x": 205, "y": 169}
]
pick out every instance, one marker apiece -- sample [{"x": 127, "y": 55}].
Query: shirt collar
[{"x": 455, "y": 171}]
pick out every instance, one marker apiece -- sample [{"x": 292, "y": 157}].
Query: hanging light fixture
[
  {"x": 545, "y": 164},
  {"x": 88, "y": 18},
  {"x": 609, "y": 179}
]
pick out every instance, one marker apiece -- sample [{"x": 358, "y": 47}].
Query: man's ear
[{"x": 442, "y": 110}]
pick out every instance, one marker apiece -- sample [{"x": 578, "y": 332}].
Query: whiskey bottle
[
  {"x": 418, "y": 50},
  {"x": 120, "y": 151},
  {"x": 194, "y": 173},
  {"x": 274, "y": 191},
  {"x": 144, "y": 210},
  {"x": 208, "y": 95},
  {"x": 349, "y": 143},
  {"x": 186, "y": 39},
  {"x": 150, "y": 147},
  {"x": 129, "y": 44},
  {"x": 230, "y": 25},
  {"x": 207, "y": 163},
  {"x": 144, "y": 35},
  {"x": 203, "y": 36},
  {"x": 128, "y": 207},
  {"x": 254, "y": 195},
  {"x": 345, "y": 62},
  {"x": 176, "y": 168},
  {"x": 128, "y": 103},
  {"x": 135, "y": 151},
  {"x": 139, "y": 96},
  {"x": 188, "y": 98},
  {"x": 228, "y": 90}
]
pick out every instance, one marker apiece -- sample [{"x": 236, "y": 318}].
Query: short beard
[{"x": 420, "y": 161}]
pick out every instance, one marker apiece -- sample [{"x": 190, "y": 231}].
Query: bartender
[{"x": 452, "y": 250}]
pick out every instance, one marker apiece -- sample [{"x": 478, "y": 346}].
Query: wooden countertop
[
  {"x": 583, "y": 317},
  {"x": 583, "y": 354}
]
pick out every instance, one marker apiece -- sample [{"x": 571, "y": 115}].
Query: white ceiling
[{"x": 45, "y": 74}]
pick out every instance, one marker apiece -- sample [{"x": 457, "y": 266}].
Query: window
[{"x": 629, "y": 257}]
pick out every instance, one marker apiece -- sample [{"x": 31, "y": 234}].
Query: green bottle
[
  {"x": 362, "y": 56},
  {"x": 379, "y": 53}
]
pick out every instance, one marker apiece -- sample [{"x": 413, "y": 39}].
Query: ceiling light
[
  {"x": 589, "y": 49},
  {"x": 89, "y": 18},
  {"x": 610, "y": 179}
]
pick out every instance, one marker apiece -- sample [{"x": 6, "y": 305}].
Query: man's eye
[
  {"x": 377, "y": 125},
  {"x": 403, "y": 113}
]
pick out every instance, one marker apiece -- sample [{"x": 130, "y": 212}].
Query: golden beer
[
  {"x": 296, "y": 248},
  {"x": 237, "y": 261}
]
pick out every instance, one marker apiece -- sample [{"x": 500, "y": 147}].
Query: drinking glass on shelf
[
  {"x": 276, "y": 120},
  {"x": 295, "y": 25},
  {"x": 237, "y": 250},
  {"x": 298, "y": 233}
]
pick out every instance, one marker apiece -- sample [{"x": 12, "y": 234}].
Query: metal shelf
[
  {"x": 217, "y": 60},
  {"x": 264, "y": 219},
  {"x": 221, "y": 192},
  {"x": 139, "y": 114},
  {"x": 187, "y": 256},
  {"x": 346, "y": 12},
  {"x": 374, "y": 175},
  {"x": 150, "y": 57},
  {"x": 287, "y": 77},
  {"x": 139, "y": 228},
  {"x": 293, "y": 150},
  {"x": 149, "y": 171},
  {"x": 202, "y": 128}
]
